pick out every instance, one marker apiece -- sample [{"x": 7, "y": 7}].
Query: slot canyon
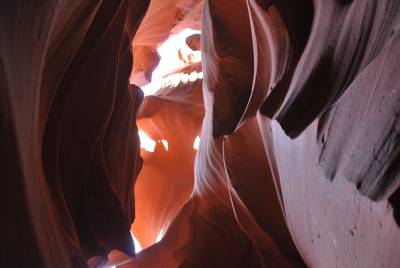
[{"x": 200, "y": 133}]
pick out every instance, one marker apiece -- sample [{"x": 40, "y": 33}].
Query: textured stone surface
[{"x": 298, "y": 117}]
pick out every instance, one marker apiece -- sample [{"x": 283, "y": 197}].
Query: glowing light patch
[
  {"x": 138, "y": 247},
  {"x": 174, "y": 55},
  {"x": 165, "y": 143},
  {"x": 193, "y": 76},
  {"x": 160, "y": 235},
  {"x": 146, "y": 142},
  {"x": 196, "y": 143}
]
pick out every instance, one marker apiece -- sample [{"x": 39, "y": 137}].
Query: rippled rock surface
[{"x": 281, "y": 148}]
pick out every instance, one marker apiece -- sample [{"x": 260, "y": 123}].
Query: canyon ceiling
[{"x": 273, "y": 131}]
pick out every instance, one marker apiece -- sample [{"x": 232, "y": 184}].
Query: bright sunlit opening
[
  {"x": 196, "y": 143},
  {"x": 174, "y": 55},
  {"x": 146, "y": 142}
]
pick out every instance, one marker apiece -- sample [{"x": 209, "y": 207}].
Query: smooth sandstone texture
[
  {"x": 298, "y": 117},
  {"x": 321, "y": 53},
  {"x": 65, "y": 102}
]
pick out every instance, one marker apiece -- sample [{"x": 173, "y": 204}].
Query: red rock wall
[
  {"x": 298, "y": 163},
  {"x": 65, "y": 103}
]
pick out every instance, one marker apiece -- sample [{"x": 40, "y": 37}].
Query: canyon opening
[{"x": 200, "y": 133}]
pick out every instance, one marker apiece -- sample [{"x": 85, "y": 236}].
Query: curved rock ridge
[
  {"x": 70, "y": 147},
  {"x": 304, "y": 69},
  {"x": 231, "y": 222},
  {"x": 285, "y": 152},
  {"x": 347, "y": 80}
]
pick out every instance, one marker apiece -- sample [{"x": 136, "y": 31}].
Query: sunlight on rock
[
  {"x": 165, "y": 143},
  {"x": 146, "y": 142},
  {"x": 138, "y": 247},
  {"x": 175, "y": 55},
  {"x": 196, "y": 143},
  {"x": 160, "y": 235}
]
